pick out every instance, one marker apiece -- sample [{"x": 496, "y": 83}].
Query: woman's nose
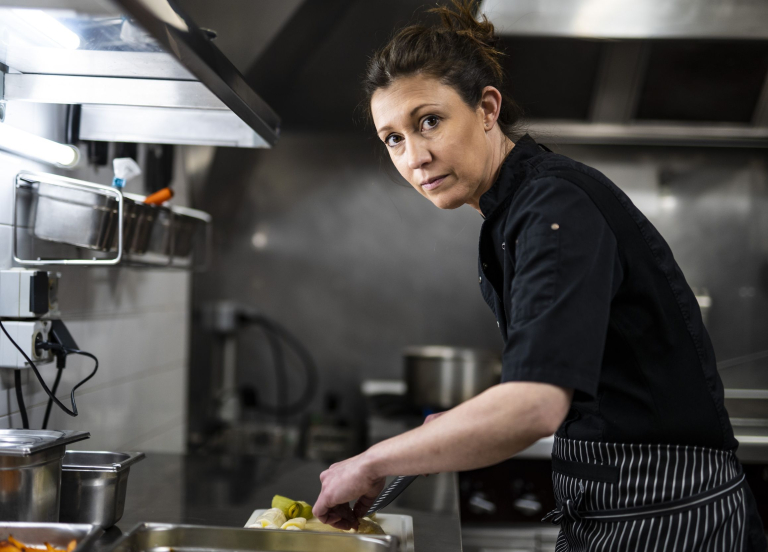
[{"x": 418, "y": 155}]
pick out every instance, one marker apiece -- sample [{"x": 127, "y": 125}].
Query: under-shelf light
[
  {"x": 27, "y": 144},
  {"x": 50, "y": 27}
]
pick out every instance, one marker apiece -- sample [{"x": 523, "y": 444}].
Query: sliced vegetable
[
  {"x": 292, "y": 508},
  {"x": 271, "y": 519},
  {"x": 295, "y": 524}
]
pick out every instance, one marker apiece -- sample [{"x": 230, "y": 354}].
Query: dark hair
[{"x": 461, "y": 52}]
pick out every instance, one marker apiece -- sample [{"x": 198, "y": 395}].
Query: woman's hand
[{"x": 342, "y": 483}]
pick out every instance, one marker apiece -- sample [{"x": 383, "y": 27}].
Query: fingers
[{"x": 342, "y": 517}]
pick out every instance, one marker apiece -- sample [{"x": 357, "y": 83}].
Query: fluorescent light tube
[
  {"x": 30, "y": 145},
  {"x": 50, "y": 27}
]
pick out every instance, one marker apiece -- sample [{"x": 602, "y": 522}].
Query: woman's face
[{"x": 440, "y": 145}]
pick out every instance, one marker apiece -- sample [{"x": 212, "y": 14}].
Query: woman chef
[{"x": 604, "y": 340}]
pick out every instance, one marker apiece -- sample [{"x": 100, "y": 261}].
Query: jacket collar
[{"x": 511, "y": 175}]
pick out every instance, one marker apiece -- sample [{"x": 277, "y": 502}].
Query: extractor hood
[
  {"x": 140, "y": 70},
  {"x": 679, "y": 72}
]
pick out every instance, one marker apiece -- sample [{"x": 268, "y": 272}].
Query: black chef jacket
[{"x": 581, "y": 308}]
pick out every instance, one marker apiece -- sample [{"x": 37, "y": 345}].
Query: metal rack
[{"x": 102, "y": 226}]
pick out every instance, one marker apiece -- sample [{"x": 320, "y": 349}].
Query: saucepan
[{"x": 441, "y": 377}]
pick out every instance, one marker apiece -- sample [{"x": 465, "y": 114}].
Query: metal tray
[
  {"x": 157, "y": 537},
  {"x": 55, "y": 534},
  {"x": 394, "y": 525}
]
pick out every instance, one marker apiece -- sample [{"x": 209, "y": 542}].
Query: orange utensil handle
[{"x": 160, "y": 196}]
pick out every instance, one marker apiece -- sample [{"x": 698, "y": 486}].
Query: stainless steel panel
[
  {"x": 565, "y": 132},
  {"x": 761, "y": 109},
  {"x": 94, "y": 63},
  {"x": 93, "y": 486},
  {"x": 523, "y": 539},
  {"x": 621, "y": 71},
  {"x": 151, "y": 537},
  {"x": 166, "y": 126},
  {"x": 65, "y": 89},
  {"x": 55, "y": 534},
  {"x": 177, "y": 51},
  {"x": 739, "y": 19}
]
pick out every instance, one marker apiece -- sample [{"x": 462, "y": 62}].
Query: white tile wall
[{"x": 135, "y": 321}]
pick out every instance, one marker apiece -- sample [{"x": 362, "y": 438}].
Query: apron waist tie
[{"x": 570, "y": 510}]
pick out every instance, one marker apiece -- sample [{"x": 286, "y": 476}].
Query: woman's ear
[{"x": 490, "y": 106}]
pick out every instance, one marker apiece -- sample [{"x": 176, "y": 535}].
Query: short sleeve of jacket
[{"x": 566, "y": 270}]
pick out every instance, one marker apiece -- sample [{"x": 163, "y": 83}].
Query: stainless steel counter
[{"x": 217, "y": 490}]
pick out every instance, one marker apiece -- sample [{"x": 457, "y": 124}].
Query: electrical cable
[
  {"x": 55, "y": 347},
  {"x": 49, "y": 406},
  {"x": 310, "y": 369},
  {"x": 281, "y": 381},
  {"x": 20, "y": 399}
]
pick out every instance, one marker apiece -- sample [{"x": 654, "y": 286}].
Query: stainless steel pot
[
  {"x": 30, "y": 472},
  {"x": 442, "y": 377},
  {"x": 93, "y": 486}
]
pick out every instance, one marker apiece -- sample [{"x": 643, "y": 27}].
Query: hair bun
[{"x": 461, "y": 20}]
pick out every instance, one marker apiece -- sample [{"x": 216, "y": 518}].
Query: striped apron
[{"x": 615, "y": 496}]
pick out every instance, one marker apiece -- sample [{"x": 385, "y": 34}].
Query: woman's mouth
[{"x": 432, "y": 183}]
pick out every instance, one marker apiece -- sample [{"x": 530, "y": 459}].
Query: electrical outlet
[{"x": 26, "y": 335}]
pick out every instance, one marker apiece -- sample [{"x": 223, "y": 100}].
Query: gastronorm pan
[
  {"x": 156, "y": 537},
  {"x": 93, "y": 486},
  {"x": 138, "y": 222},
  {"x": 55, "y": 534},
  {"x": 396, "y": 525},
  {"x": 30, "y": 472},
  {"x": 76, "y": 216}
]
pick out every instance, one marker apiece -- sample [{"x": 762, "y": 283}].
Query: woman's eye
[
  {"x": 392, "y": 140},
  {"x": 430, "y": 122}
]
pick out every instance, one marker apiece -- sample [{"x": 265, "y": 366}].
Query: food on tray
[
  {"x": 14, "y": 545},
  {"x": 296, "y": 515},
  {"x": 271, "y": 519},
  {"x": 369, "y": 527},
  {"x": 295, "y": 524},
  {"x": 292, "y": 508}
]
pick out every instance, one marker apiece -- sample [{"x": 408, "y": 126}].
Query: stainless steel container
[
  {"x": 442, "y": 377},
  {"x": 93, "y": 486},
  {"x": 138, "y": 222},
  {"x": 156, "y": 537},
  {"x": 30, "y": 472},
  {"x": 55, "y": 534},
  {"x": 75, "y": 216},
  {"x": 187, "y": 228},
  {"x": 160, "y": 235}
]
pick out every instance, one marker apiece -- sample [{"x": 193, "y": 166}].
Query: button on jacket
[{"x": 580, "y": 309}]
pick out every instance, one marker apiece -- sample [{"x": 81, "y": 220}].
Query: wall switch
[
  {"x": 25, "y": 334},
  {"x": 28, "y": 293}
]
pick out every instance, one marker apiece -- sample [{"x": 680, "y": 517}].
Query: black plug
[{"x": 61, "y": 341}]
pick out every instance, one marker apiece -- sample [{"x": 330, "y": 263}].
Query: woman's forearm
[{"x": 485, "y": 430}]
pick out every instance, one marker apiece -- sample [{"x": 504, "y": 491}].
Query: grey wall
[
  {"x": 134, "y": 321},
  {"x": 316, "y": 234}
]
